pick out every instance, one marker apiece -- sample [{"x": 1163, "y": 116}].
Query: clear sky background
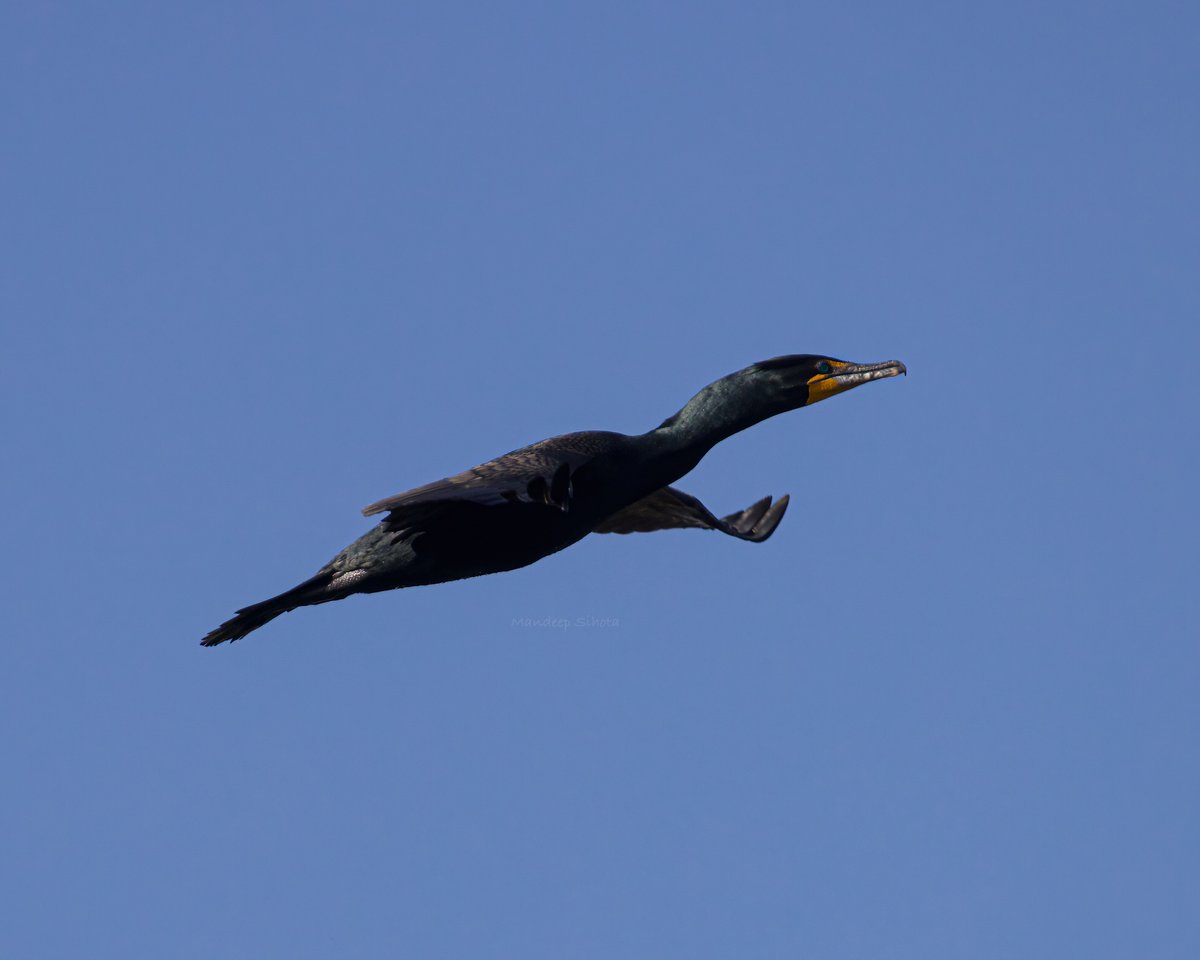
[{"x": 266, "y": 263}]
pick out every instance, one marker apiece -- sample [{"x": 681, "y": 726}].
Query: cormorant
[{"x": 535, "y": 501}]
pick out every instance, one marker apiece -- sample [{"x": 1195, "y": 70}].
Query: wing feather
[
  {"x": 670, "y": 509},
  {"x": 540, "y": 473}
]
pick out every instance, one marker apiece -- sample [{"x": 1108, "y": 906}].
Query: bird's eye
[{"x": 823, "y": 367}]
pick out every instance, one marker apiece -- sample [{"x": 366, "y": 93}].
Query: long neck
[{"x": 720, "y": 410}]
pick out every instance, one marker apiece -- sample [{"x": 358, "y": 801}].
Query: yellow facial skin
[{"x": 825, "y": 385}]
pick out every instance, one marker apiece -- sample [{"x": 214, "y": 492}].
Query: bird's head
[
  {"x": 802, "y": 379},
  {"x": 766, "y": 389}
]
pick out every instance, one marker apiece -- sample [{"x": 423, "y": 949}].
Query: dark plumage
[{"x": 535, "y": 501}]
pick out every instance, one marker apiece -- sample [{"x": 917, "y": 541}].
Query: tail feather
[{"x": 314, "y": 590}]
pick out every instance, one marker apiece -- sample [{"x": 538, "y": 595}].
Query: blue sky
[{"x": 264, "y": 265}]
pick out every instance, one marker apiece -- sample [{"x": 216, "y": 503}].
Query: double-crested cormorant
[{"x": 535, "y": 501}]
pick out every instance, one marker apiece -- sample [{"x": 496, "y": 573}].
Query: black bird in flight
[{"x": 535, "y": 501}]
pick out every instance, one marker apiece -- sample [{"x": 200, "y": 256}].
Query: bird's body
[{"x": 532, "y": 502}]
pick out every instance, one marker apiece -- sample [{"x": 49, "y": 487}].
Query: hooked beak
[{"x": 846, "y": 376}]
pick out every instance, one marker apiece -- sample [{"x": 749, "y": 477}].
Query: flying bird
[{"x": 530, "y": 503}]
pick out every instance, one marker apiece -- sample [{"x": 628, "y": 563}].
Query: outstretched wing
[
  {"x": 669, "y": 509},
  {"x": 537, "y": 474}
]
